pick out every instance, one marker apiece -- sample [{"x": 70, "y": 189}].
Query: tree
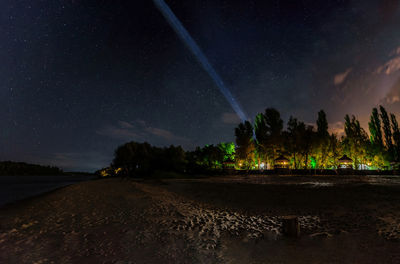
[
  {"x": 299, "y": 142},
  {"x": 375, "y": 129},
  {"x": 307, "y": 144},
  {"x": 261, "y": 133},
  {"x": 144, "y": 159},
  {"x": 322, "y": 125},
  {"x": 294, "y": 138},
  {"x": 396, "y": 136},
  {"x": 273, "y": 121},
  {"x": 387, "y": 130},
  {"x": 228, "y": 150},
  {"x": 245, "y": 144},
  {"x": 355, "y": 141},
  {"x": 274, "y": 126},
  {"x": 322, "y": 141},
  {"x": 334, "y": 152}
]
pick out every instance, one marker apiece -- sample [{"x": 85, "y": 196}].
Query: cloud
[
  {"x": 395, "y": 51},
  {"x": 119, "y": 132},
  {"x": 140, "y": 131},
  {"x": 230, "y": 118},
  {"x": 393, "y": 65},
  {"x": 124, "y": 124},
  {"x": 336, "y": 128},
  {"x": 164, "y": 134},
  {"x": 341, "y": 77},
  {"x": 393, "y": 96}
]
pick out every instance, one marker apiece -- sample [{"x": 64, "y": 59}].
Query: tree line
[
  {"x": 258, "y": 145},
  {"x": 310, "y": 147},
  {"x": 10, "y": 168},
  {"x": 142, "y": 159}
]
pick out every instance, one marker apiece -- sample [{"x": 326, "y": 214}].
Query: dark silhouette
[
  {"x": 304, "y": 146},
  {"x": 10, "y": 168}
]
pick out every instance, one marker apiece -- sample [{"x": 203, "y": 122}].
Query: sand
[{"x": 215, "y": 220}]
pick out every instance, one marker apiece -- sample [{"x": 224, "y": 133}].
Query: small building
[
  {"x": 395, "y": 165},
  {"x": 345, "y": 162},
  {"x": 228, "y": 164},
  {"x": 281, "y": 163}
]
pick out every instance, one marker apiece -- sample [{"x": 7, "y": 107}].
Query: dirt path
[{"x": 124, "y": 221}]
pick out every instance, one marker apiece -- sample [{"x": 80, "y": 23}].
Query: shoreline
[{"x": 16, "y": 188}]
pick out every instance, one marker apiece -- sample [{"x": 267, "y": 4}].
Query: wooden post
[{"x": 291, "y": 226}]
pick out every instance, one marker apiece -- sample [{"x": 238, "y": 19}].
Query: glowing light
[
  {"x": 104, "y": 173},
  {"x": 313, "y": 163},
  {"x": 198, "y": 53}
]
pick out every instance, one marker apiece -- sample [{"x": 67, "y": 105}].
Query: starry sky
[{"x": 80, "y": 77}]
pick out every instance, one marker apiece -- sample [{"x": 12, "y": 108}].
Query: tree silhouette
[
  {"x": 355, "y": 141},
  {"x": 322, "y": 142},
  {"x": 261, "y": 133},
  {"x": 375, "y": 129},
  {"x": 387, "y": 130},
  {"x": 396, "y": 136},
  {"x": 322, "y": 125},
  {"x": 274, "y": 126},
  {"x": 245, "y": 144}
]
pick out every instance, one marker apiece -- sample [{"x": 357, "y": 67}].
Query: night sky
[{"x": 78, "y": 78}]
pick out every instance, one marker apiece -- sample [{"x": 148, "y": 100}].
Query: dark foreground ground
[{"x": 222, "y": 220}]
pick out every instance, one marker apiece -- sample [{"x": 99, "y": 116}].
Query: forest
[
  {"x": 10, "y": 168},
  {"x": 313, "y": 147},
  {"x": 258, "y": 145}
]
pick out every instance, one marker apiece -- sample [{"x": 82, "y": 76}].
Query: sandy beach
[{"x": 206, "y": 220}]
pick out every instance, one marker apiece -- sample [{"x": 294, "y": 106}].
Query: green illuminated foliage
[{"x": 313, "y": 163}]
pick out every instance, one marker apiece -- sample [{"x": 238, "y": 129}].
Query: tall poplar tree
[
  {"x": 322, "y": 141},
  {"x": 375, "y": 129},
  {"x": 261, "y": 133},
  {"x": 322, "y": 124},
  {"x": 396, "y": 136},
  {"x": 274, "y": 129},
  {"x": 387, "y": 130}
]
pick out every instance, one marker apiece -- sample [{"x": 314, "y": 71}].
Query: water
[{"x": 14, "y": 188}]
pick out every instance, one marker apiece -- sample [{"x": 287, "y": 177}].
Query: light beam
[{"x": 198, "y": 53}]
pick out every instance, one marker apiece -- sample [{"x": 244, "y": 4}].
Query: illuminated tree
[
  {"x": 300, "y": 143},
  {"x": 293, "y": 141},
  {"x": 355, "y": 141},
  {"x": 228, "y": 150},
  {"x": 245, "y": 145},
  {"x": 307, "y": 145},
  {"x": 334, "y": 152}
]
